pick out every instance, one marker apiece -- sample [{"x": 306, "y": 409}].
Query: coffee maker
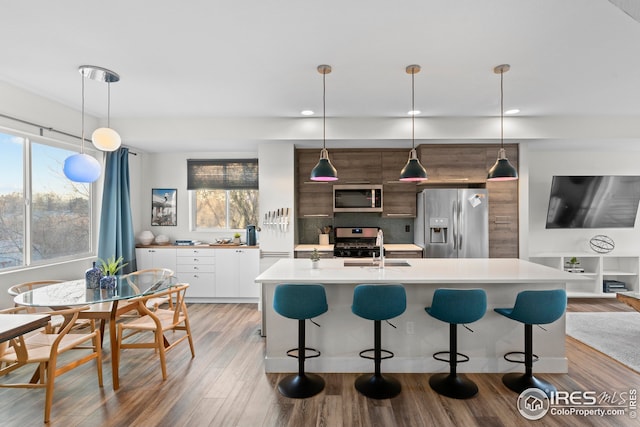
[{"x": 250, "y": 238}]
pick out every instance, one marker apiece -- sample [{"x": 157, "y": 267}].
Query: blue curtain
[{"x": 116, "y": 236}]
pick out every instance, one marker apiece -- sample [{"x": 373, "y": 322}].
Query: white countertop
[
  {"x": 421, "y": 270},
  {"x": 388, "y": 247}
]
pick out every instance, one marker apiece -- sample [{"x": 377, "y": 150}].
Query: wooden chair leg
[
  {"x": 48, "y": 398},
  {"x": 160, "y": 346}
]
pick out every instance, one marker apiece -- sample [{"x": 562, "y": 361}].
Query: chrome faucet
[{"x": 380, "y": 243}]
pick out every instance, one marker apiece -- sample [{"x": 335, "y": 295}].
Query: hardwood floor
[{"x": 225, "y": 385}]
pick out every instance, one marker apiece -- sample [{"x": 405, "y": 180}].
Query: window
[
  {"x": 224, "y": 193},
  {"x": 43, "y": 216}
]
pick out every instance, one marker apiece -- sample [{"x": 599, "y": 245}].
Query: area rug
[{"x": 615, "y": 334}]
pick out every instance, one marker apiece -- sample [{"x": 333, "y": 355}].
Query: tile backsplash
[{"x": 394, "y": 228}]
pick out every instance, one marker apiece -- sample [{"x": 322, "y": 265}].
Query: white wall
[
  {"x": 549, "y": 158},
  {"x": 277, "y": 191},
  {"x": 169, "y": 170}
]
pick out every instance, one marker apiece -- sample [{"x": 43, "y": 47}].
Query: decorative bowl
[{"x": 146, "y": 237}]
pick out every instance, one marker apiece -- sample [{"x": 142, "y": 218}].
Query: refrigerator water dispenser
[{"x": 438, "y": 230}]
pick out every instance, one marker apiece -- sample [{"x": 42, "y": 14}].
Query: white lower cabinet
[
  {"x": 197, "y": 267},
  {"x": 213, "y": 275},
  {"x": 236, "y": 273},
  {"x": 156, "y": 258}
]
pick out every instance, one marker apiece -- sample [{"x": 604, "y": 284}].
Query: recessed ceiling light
[
  {"x": 306, "y": 112},
  {"x": 513, "y": 111},
  {"x": 414, "y": 112}
]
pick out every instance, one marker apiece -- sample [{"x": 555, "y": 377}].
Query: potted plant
[
  {"x": 572, "y": 264},
  {"x": 109, "y": 269},
  {"x": 236, "y": 238},
  {"x": 315, "y": 258}
]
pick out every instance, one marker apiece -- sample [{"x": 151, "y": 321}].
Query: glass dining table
[{"x": 106, "y": 305}]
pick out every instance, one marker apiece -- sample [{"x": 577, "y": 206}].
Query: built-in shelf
[{"x": 597, "y": 267}]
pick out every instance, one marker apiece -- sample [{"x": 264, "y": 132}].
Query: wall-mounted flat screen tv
[{"x": 609, "y": 201}]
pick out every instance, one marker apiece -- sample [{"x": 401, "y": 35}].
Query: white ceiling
[{"x": 257, "y": 58}]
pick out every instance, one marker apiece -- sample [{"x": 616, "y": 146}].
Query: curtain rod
[{"x": 50, "y": 129}]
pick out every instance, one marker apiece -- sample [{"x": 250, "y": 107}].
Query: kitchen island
[{"x": 343, "y": 335}]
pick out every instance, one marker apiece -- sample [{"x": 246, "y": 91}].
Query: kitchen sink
[{"x": 371, "y": 263}]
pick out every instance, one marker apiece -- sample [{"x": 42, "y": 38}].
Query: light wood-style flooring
[{"x": 225, "y": 385}]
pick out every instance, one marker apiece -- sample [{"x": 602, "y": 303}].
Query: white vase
[
  {"x": 146, "y": 237},
  {"x": 315, "y": 264}
]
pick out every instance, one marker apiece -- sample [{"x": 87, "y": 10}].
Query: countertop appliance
[
  {"x": 359, "y": 242},
  {"x": 453, "y": 223},
  {"x": 250, "y": 237},
  {"x": 357, "y": 198}
]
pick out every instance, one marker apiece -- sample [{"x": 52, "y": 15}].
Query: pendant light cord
[
  {"x": 413, "y": 112},
  {"x": 82, "y": 139},
  {"x": 324, "y": 114},
  {"x": 109, "y": 104},
  {"x": 501, "y": 111}
]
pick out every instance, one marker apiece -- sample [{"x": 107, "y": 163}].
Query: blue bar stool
[
  {"x": 532, "y": 308},
  {"x": 455, "y": 306},
  {"x": 377, "y": 303},
  {"x": 301, "y": 302}
]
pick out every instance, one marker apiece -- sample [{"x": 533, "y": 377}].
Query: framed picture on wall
[{"x": 164, "y": 206}]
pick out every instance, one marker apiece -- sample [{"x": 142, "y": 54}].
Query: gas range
[{"x": 355, "y": 242}]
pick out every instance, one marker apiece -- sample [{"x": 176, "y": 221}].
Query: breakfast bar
[{"x": 416, "y": 336}]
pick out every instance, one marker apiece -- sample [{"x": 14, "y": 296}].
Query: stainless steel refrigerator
[{"x": 453, "y": 223}]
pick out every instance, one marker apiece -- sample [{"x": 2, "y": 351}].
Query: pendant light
[
  {"x": 82, "y": 167},
  {"x": 324, "y": 170},
  {"x": 502, "y": 170},
  {"x": 413, "y": 170},
  {"x": 104, "y": 138}
]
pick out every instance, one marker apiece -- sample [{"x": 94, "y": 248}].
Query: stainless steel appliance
[
  {"x": 357, "y": 198},
  {"x": 359, "y": 242},
  {"x": 453, "y": 223}
]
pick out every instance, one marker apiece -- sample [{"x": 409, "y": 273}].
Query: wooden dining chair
[
  {"x": 154, "y": 274},
  {"x": 158, "y": 322},
  {"x": 44, "y": 349}
]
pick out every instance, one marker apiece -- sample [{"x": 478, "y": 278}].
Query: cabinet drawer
[
  {"x": 195, "y": 252},
  {"x": 196, "y": 260},
  {"x": 191, "y": 268}
]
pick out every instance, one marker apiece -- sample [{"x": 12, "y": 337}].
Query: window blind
[{"x": 226, "y": 174}]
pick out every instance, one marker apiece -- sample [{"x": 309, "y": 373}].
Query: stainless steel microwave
[{"x": 357, "y": 198}]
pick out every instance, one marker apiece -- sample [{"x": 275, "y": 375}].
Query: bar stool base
[
  {"x": 520, "y": 382},
  {"x": 455, "y": 386},
  {"x": 378, "y": 386},
  {"x": 301, "y": 386}
]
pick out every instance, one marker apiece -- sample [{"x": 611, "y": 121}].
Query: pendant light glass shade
[
  {"x": 104, "y": 138},
  {"x": 413, "y": 171},
  {"x": 502, "y": 170},
  {"x": 324, "y": 170},
  {"x": 82, "y": 168}
]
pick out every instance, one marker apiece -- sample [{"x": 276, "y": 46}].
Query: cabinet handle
[
  {"x": 195, "y": 276},
  {"x": 195, "y": 259},
  {"x": 195, "y": 268},
  {"x": 399, "y": 214},
  {"x": 316, "y": 215}
]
